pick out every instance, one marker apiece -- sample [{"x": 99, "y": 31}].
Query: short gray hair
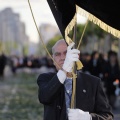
[{"x": 57, "y": 43}]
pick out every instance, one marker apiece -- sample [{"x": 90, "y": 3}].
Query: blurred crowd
[{"x": 105, "y": 66}]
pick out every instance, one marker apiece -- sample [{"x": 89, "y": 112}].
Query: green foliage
[
  {"x": 0, "y": 47},
  {"x": 25, "y": 50},
  {"x": 23, "y": 103},
  {"x": 9, "y": 46},
  {"x": 40, "y": 51},
  {"x": 91, "y": 30}
]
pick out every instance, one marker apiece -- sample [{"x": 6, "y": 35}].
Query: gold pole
[{"x": 73, "y": 99}]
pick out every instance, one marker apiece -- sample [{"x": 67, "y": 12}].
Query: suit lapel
[
  {"x": 63, "y": 105},
  {"x": 82, "y": 96}
]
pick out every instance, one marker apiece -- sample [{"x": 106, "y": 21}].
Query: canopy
[{"x": 104, "y": 13}]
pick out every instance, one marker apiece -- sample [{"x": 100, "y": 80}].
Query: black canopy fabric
[{"x": 104, "y": 13}]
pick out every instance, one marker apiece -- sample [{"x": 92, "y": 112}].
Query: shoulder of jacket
[
  {"x": 89, "y": 77},
  {"x": 46, "y": 74}
]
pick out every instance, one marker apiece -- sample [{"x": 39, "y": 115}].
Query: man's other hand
[{"x": 77, "y": 114}]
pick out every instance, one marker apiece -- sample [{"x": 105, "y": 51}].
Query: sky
[{"x": 41, "y": 12}]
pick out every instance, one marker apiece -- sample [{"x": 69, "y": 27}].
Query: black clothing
[{"x": 52, "y": 95}]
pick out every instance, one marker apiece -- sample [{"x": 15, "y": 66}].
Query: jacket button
[
  {"x": 84, "y": 91},
  {"x": 58, "y": 107}
]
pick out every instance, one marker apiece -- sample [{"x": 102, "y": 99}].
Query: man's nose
[{"x": 63, "y": 56}]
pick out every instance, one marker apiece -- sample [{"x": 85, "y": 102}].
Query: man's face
[{"x": 59, "y": 54}]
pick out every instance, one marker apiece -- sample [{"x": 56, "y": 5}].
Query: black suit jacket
[{"x": 52, "y": 95}]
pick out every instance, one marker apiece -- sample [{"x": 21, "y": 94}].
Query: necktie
[{"x": 68, "y": 91}]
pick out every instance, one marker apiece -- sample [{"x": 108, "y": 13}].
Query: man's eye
[
  {"x": 65, "y": 52},
  {"x": 57, "y": 54}
]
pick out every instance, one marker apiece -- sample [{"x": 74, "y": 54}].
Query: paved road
[
  {"x": 117, "y": 114},
  {"x": 117, "y": 110}
]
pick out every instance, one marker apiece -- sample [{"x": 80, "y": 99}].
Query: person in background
[
  {"x": 94, "y": 64},
  {"x": 3, "y": 60},
  {"x": 112, "y": 74}
]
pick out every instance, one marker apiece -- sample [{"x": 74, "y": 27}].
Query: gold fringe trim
[
  {"x": 79, "y": 65},
  {"x": 69, "y": 28},
  {"x": 97, "y": 21}
]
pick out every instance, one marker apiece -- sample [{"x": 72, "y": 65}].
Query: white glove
[
  {"x": 61, "y": 76},
  {"x": 71, "y": 57},
  {"x": 77, "y": 114}
]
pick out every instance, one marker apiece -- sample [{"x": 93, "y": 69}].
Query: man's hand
[
  {"x": 77, "y": 114},
  {"x": 71, "y": 57}
]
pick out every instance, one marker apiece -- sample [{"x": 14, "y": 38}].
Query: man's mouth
[{"x": 61, "y": 63}]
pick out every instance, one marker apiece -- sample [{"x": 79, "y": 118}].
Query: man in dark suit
[{"x": 55, "y": 90}]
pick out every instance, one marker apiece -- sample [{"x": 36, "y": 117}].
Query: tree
[{"x": 1, "y": 47}]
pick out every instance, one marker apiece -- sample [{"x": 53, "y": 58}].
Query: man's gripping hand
[
  {"x": 77, "y": 114},
  {"x": 72, "y": 55}
]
